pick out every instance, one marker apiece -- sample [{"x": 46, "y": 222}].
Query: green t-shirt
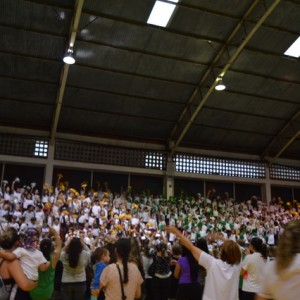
[{"x": 45, "y": 286}]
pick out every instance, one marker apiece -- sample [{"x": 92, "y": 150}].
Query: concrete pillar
[
  {"x": 266, "y": 187},
  {"x": 169, "y": 178},
  {"x": 50, "y": 164}
]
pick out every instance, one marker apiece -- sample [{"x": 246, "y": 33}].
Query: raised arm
[
  {"x": 185, "y": 242},
  {"x": 58, "y": 247}
]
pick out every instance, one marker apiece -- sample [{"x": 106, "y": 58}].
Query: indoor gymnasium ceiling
[{"x": 138, "y": 82}]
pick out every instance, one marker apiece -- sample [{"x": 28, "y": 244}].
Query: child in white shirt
[{"x": 31, "y": 259}]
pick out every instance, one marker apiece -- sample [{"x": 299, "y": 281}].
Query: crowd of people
[{"x": 198, "y": 246}]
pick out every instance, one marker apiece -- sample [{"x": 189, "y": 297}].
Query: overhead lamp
[
  {"x": 294, "y": 49},
  {"x": 69, "y": 58},
  {"x": 220, "y": 86},
  {"x": 162, "y": 12}
]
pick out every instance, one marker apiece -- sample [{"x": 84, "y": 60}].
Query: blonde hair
[{"x": 288, "y": 246}]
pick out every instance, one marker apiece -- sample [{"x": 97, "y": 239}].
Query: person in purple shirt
[{"x": 187, "y": 272}]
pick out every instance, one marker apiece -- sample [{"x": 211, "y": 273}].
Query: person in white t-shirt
[
  {"x": 252, "y": 268},
  {"x": 281, "y": 277},
  {"x": 56, "y": 225},
  {"x": 223, "y": 274}
]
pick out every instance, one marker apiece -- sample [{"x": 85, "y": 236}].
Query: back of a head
[
  {"x": 162, "y": 248},
  {"x": 123, "y": 247},
  {"x": 74, "y": 250},
  {"x": 288, "y": 245},
  {"x": 231, "y": 252},
  {"x": 202, "y": 244},
  {"x": 46, "y": 248},
  {"x": 186, "y": 252},
  {"x": 100, "y": 252},
  {"x": 177, "y": 249},
  {"x": 75, "y": 244},
  {"x": 259, "y": 246},
  {"x": 9, "y": 238}
]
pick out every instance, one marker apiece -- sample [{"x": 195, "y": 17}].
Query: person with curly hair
[
  {"x": 75, "y": 257},
  {"x": 281, "y": 280}
]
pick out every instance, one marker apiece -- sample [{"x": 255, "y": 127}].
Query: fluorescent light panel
[
  {"x": 161, "y": 13},
  {"x": 294, "y": 49}
]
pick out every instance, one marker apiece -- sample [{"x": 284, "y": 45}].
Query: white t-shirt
[
  {"x": 96, "y": 210},
  {"x": 40, "y": 216},
  {"x": 286, "y": 287},
  {"x": 222, "y": 279},
  {"x": 30, "y": 259},
  {"x": 254, "y": 265},
  {"x": 56, "y": 227}
]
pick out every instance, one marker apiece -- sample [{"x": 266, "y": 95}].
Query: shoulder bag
[{"x": 121, "y": 282}]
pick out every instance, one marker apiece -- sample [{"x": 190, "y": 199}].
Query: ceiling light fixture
[
  {"x": 162, "y": 12},
  {"x": 220, "y": 86},
  {"x": 69, "y": 58},
  {"x": 294, "y": 49}
]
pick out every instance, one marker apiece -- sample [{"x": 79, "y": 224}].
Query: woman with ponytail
[
  {"x": 75, "y": 257},
  {"x": 131, "y": 278},
  {"x": 252, "y": 268},
  {"x": 161, "y": 281},
  {"x": 281, "y": 278}
]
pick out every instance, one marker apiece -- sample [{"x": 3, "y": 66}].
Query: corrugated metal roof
[{"x": 139, "y": 82}]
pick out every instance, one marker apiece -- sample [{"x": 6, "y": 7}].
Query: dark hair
[
  {"x": 74, "y": 250},
  {"x": 259, "y": 246},
  {"x": 111, "y": 248},
  {"x": 99, "y": 252},
  {"x": 46, "y": 248},
  {"x": 231, "y": 252},
  {"x": 202, "y": 244},
  {"x": 9, "y": 238},
  {"x": 123, "y": 247},
  {"x": 177, "y": 249},
  {"x": 194, "y": 266},
  {"x": 161, "y": 247}
]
